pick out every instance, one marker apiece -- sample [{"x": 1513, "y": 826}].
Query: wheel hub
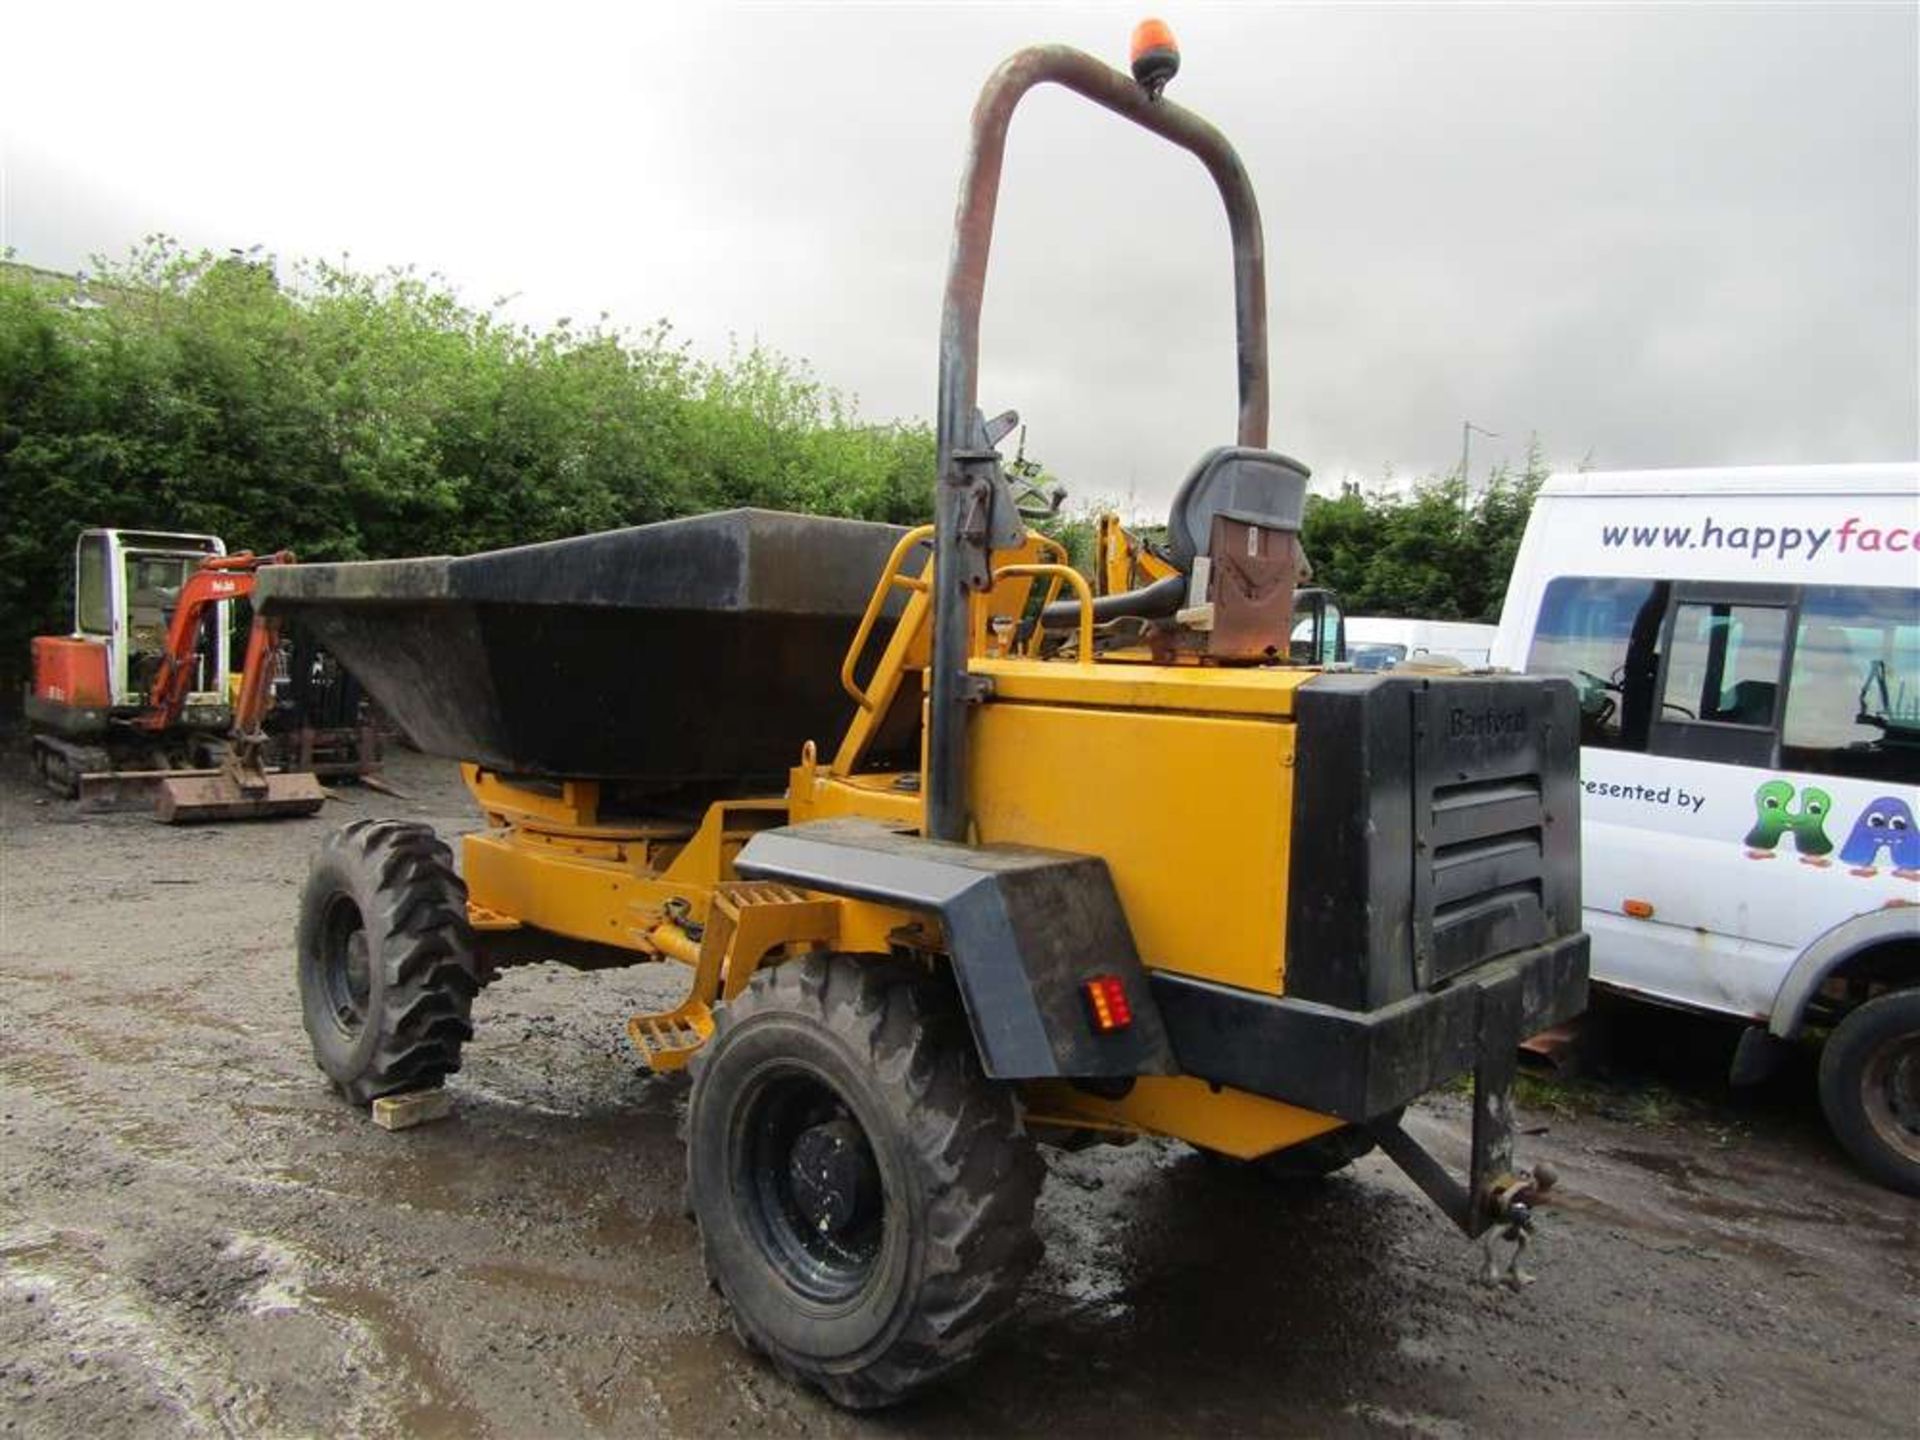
[
  {"x": 358, "y": 975},
  {"x": 809, "y": 1184},
  {"x": 1891, "y": 1091},
  {"x": 832, "y": 1175},
  {"x": 346, "y": 964}
]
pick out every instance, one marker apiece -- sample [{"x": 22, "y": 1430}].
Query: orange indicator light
[{"x": 1107, "y": 1000}]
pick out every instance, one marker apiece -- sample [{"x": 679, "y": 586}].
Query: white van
[
  {"x": 1380, "y": 642},
  {"x": 1746, "y": 645}
]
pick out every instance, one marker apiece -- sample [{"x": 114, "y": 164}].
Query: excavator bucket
[
  {"x": 115, "y": 791},
  {"x": 192, "y": 798}
]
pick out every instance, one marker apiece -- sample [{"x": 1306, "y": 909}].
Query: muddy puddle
[{"x": 197, "y": 1239}]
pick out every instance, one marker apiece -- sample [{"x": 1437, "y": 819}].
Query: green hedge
[
  {"x": 1419, "y": 555},
  {"x": 347, "y": 416}
]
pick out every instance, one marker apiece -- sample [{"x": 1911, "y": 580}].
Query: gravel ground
[{"x": 196, "y": 1237}]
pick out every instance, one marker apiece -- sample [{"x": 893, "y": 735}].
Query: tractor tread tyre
[
  {"x": 959, "y": 1175},
  {"x": 1325, "y": 1154},
  {"x": 1318, "y": 1158},
  {"x": 397, "y": 877},
  {"x": 1888, "y": 1020}
]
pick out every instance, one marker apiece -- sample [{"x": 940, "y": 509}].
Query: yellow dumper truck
[{"x": 959, "y": 858}]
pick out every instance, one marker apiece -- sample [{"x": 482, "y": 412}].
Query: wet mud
[{"x": 197, "y": 1238}]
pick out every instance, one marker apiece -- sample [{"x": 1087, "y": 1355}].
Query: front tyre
[
  {"x": 865, "y": 1195},
  {"x": 387, "y": 971},
  {"x": 1870, "y": 1088}
]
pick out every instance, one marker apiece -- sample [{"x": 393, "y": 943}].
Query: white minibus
[{"x": 1746, "y": 644}]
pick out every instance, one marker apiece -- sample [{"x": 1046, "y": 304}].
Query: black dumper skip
[{"x": 703, "y": 648}]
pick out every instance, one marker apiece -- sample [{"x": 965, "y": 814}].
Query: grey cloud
[{"x": 1674, "y": 235}]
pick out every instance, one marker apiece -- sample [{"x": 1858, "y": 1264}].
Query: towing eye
[
  {"x": 1496, "y": 1195},
  {"x": 1514, "y": 1199}
]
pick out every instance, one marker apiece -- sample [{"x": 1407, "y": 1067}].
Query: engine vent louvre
[
  {"x": 1436, "y": 829},
  {"x": 1485, "y": 867}
]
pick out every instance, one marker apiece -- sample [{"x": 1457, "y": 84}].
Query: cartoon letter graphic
[
  {"x": 1770, "y": 802},
  {"x": 1810, "y": 824},
  {"x": 1886, "y": 824}
]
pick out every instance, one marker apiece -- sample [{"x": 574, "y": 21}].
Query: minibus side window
[
  {"x": 1725, "y": 664},
  {"x": 1600, "y": 634},
  {"x": 1853, "y": 702},
  {"x": 1722, "y": 676}
]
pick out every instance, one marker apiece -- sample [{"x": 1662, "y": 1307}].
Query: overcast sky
[{"x": 1660, "y": 235}]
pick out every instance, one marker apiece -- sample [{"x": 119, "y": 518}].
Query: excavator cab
[
  {"x": 127, "y": 583},
  {"x": 134, "y": 704}
]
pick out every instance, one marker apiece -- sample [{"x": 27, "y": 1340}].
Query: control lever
[{"x": 1033, "y": 500}]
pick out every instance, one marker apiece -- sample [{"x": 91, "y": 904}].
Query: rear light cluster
[{"x": 1107, "y": 1002}]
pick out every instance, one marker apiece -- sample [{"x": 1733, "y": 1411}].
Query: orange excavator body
[
  {"x": 72, "y": 674},
  {"x": 242, "y": 788}
]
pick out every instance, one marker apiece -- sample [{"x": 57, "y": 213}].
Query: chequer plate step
[
  {"x": 666, "y": 1041},
  {"x": 739, "y": 894}
]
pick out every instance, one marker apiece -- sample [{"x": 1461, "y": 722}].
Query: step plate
[{"x": 668, "y": 1040}]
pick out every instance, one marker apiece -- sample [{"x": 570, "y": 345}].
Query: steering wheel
[{"x": 1031, "y": 499}]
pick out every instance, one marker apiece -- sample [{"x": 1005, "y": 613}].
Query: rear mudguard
[{"x": 1025, "y": 928}]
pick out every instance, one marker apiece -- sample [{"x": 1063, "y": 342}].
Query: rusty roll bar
[{"x": 965, "y": 492}]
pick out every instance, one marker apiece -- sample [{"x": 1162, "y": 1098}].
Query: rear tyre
[
  {"x": 387, "y": 972},
  {"x": 1870, "y": 1088},
  {"x": 865, "y": 1195},
  {"x": 1317, "y": 1158}
]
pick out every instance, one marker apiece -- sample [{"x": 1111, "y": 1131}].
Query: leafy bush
[
  {"x": 348, "y": 416},
  {"x": 1421, "y": 555}
]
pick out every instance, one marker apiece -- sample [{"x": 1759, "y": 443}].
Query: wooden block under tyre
[{"x": 416, "y": 1107}]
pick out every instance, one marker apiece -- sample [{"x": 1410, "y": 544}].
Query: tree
[
  {"x": 1426, "y": 555},
  {"x": 348, "y": 416}
]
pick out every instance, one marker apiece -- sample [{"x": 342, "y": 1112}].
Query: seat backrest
[
  {"x": 1750, "y": 702},
  {"x": 1260, "y": 487}
]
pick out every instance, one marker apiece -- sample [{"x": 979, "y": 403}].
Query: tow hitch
[{"x": 1495, "y": 1194}]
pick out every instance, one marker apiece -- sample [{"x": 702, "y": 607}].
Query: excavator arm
[
  {"x": 219, "y": 578},
  {"x": 241, "y": 788}
]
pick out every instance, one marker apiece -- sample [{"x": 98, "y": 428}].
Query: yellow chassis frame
[{"x": 550, "y": 864}]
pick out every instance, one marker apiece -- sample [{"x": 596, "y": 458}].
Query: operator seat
[{"x": 1259, "y": 487}]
